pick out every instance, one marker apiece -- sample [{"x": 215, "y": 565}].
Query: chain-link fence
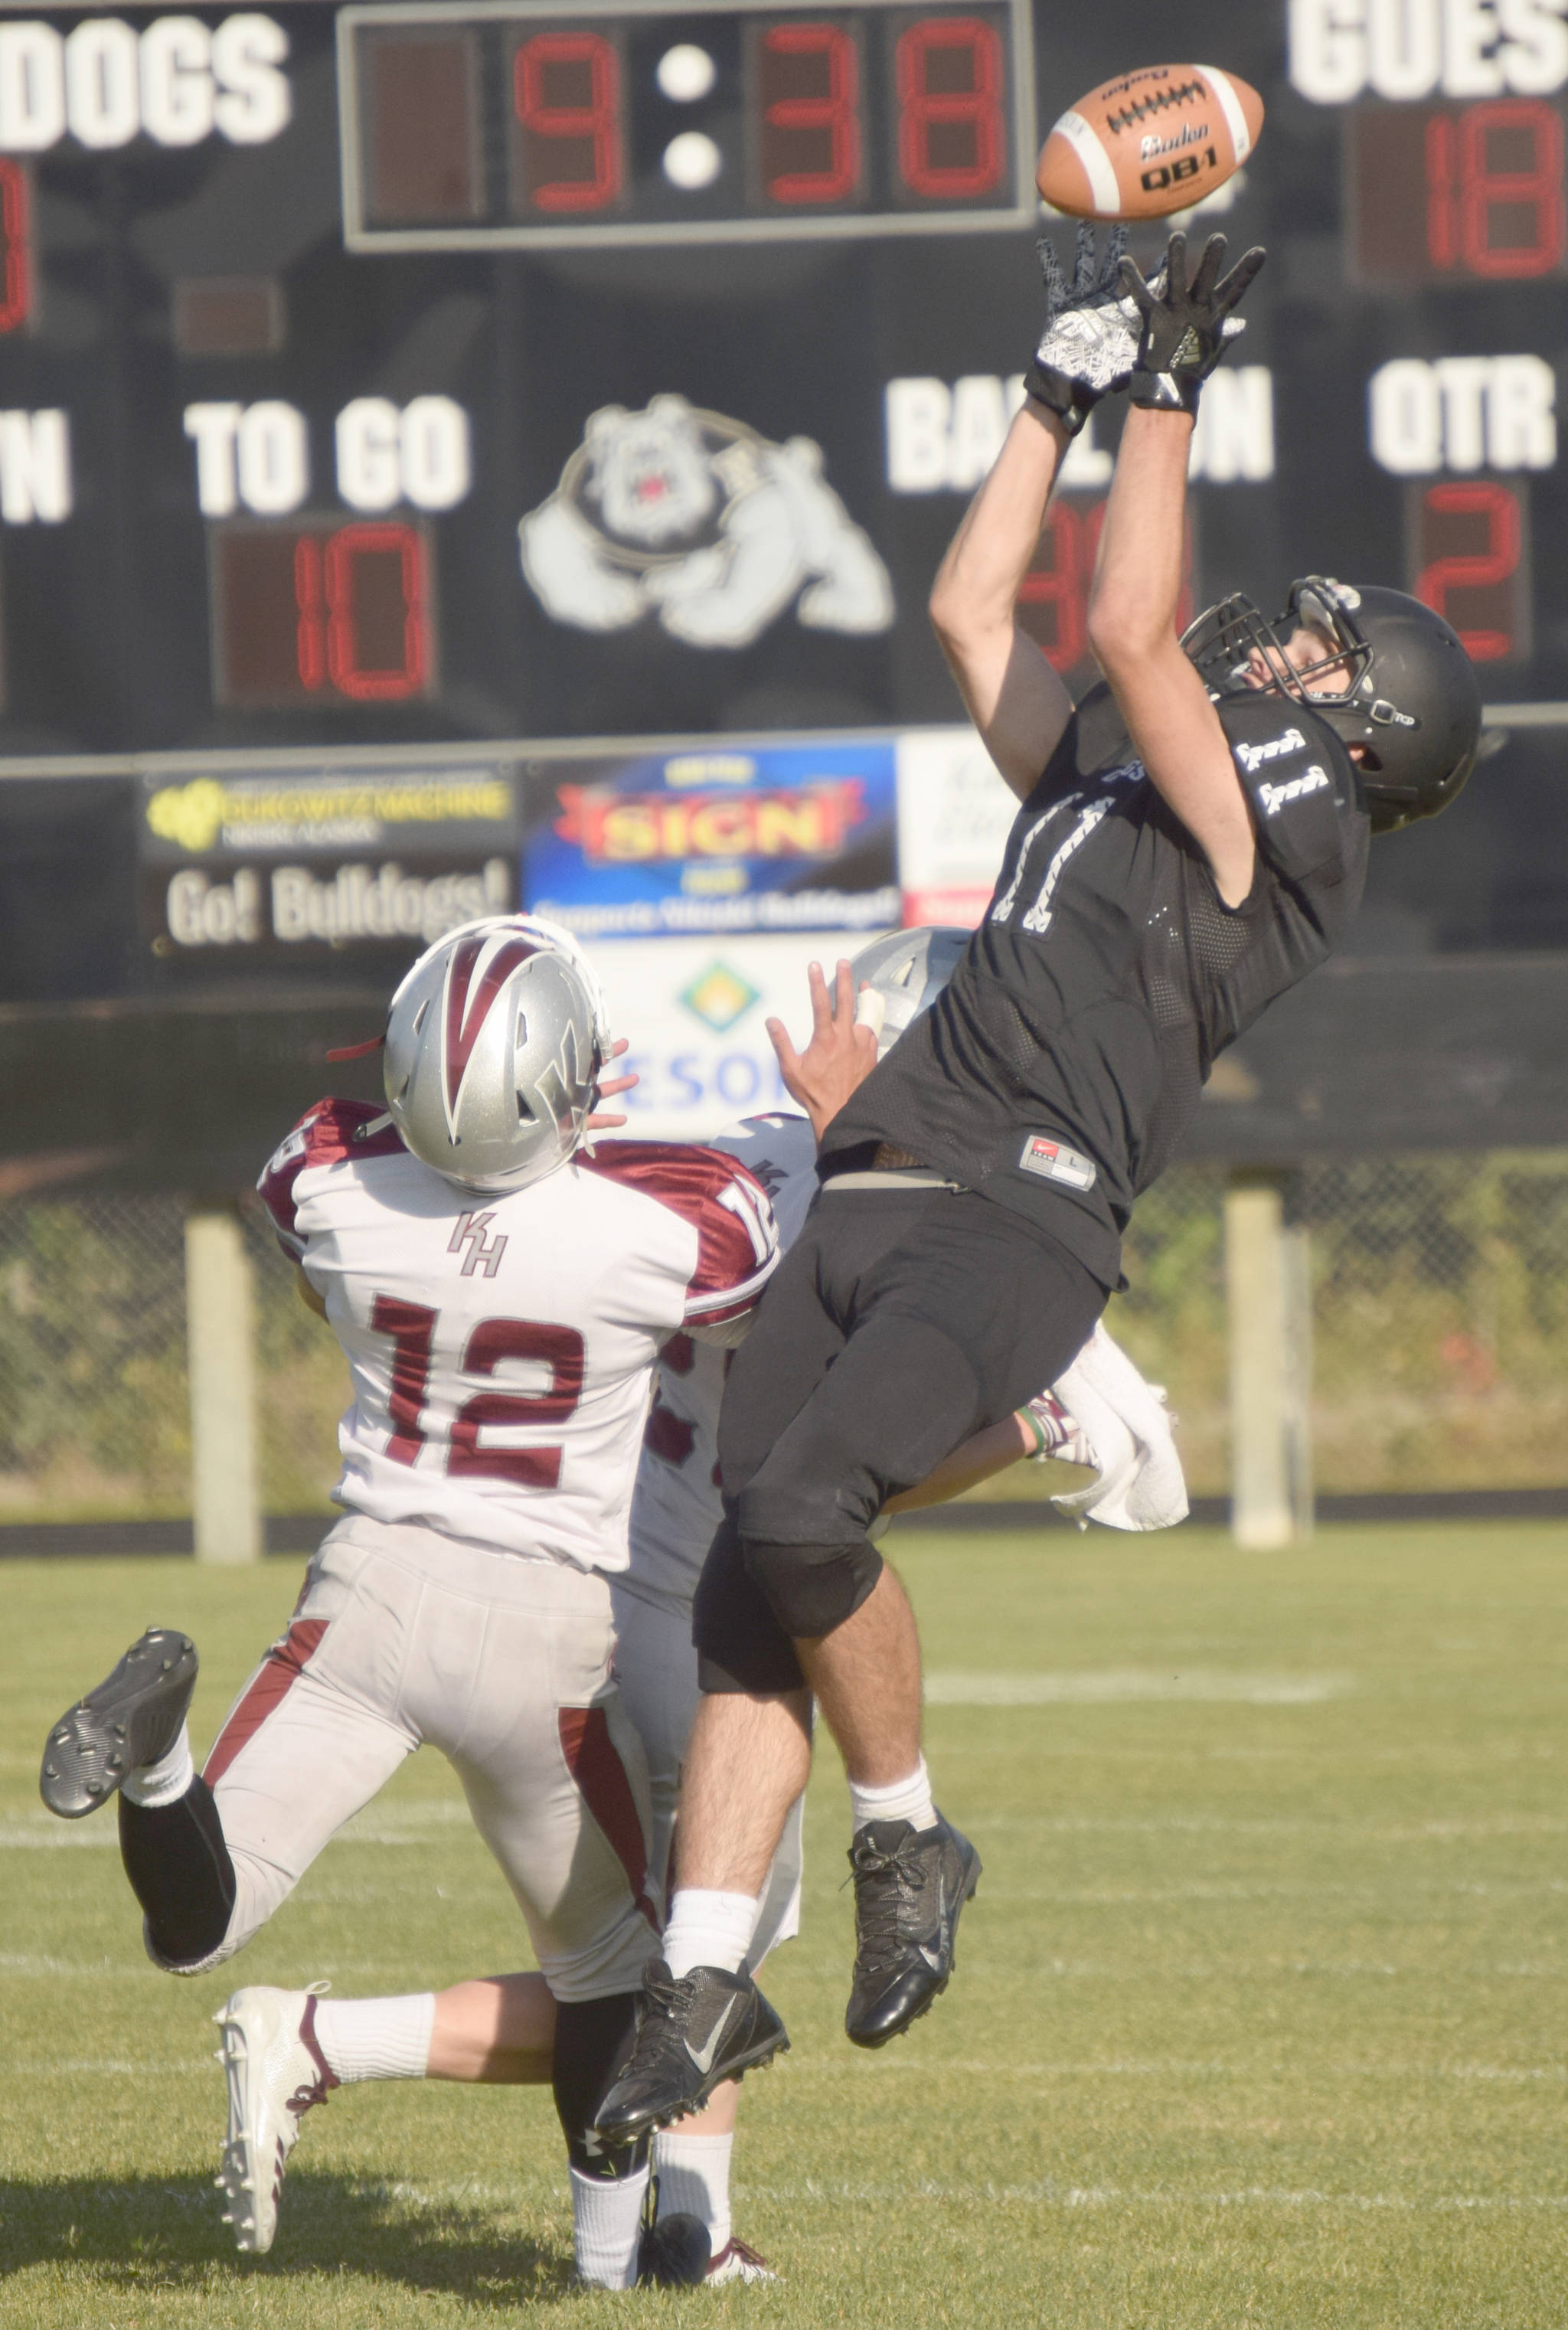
[{"x": 1439, "y": 1317}]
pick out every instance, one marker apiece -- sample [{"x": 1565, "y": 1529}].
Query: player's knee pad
[
  {"x": 592, "y": 2036},
  {"x": 813, "y": 1589}
]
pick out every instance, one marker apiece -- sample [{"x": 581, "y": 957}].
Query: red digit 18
[
  {"x": 596, "y": 125},
  {"x": 15, "y": 286},
  {"x": 1481, "y": 570},
  {"x": 1465, "y": 191},
  {"x": 951, "y": 139},
  {"x": 833, "y": 109}
]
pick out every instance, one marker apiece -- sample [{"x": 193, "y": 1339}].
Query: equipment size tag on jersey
[{"x": 1055, "y": 1162}]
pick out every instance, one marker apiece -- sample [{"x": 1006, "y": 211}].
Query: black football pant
[{"x": 902, "y": 1322}]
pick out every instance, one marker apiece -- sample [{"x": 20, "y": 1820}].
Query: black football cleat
[
  {"x": 674, "y": 2254},
  {"x": 691, "y": 2035},
  {"x": 132, "y": 1718},
  {"x": 910, "y": 1885}
]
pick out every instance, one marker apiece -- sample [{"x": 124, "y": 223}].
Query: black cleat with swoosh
[
  {"x": 691, "y": 2035},
  {"x": 910, "y": 1885}
]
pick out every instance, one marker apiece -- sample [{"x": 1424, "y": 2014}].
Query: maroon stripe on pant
[
  {"x": 276, "y": 1677},
  {"x": 595, "y": 1766}
]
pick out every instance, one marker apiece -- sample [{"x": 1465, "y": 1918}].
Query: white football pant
[{"x": 405, "y": 1638}]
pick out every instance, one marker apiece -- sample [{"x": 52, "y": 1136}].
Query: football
[{"x": 1149, "y": 142}]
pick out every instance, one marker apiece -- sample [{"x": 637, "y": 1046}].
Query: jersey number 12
[{"x": 411, "y": 1327}]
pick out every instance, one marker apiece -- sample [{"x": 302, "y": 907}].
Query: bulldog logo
[{"x": 695, "y": 519}]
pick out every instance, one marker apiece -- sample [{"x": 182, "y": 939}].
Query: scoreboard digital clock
[
  {"x": 418, "y": 380},
  {"x": 525, "y": 126}
]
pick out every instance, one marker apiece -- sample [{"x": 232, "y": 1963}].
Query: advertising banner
[
  {"x": 281, "y": 868},
  {"x": 758, "y": 838},
  {"x": 954, "y": 816},
  {"x": 693, "y": 1010}
]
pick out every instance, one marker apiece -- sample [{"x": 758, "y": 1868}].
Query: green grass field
[{"x": 1259, "y": 2017}]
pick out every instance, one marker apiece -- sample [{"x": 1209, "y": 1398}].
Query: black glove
[
  {"x": 1090, "y": 343},
  {"x": 1186, "y": 327}
]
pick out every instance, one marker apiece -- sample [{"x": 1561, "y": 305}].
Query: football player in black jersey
[{"x": 1192, "y": 841}]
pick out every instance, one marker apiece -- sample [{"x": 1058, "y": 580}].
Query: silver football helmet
[
  {"x": 494, "y": 1042},
  {"x": 906, "y": 971}
]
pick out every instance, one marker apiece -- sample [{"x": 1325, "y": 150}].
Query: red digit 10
[
  {"x": 833, "y": 109},
  {"x": 596, "y": 125},
  {"x": 1481, "y": 570},
  {"x": 1465, "y": 192},
  {"x": 951, "y": 138},
  {"x": 16, "y": 287},
  {"x": 328, "y": 634}
]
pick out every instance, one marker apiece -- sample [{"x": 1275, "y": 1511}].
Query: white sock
[
  {"x": 693, "y": 2174},
  {"x": 907, "y": 1800},
  {"x": 153, "y": 1785},
  {"x": 708, "y": 1929},
  {"x": 606, "y": 2225},
  {"x": 376, "y": 2038}
]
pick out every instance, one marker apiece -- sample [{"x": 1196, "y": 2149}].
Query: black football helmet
[{"x": 1413, "y": 702}]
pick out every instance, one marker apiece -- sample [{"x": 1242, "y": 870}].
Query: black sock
[
  {"x": 180, "y": 1871},
  {"x": 592, "y": 2037}
]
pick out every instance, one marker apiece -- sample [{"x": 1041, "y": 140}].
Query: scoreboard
[{"x": 406, "y": 408}]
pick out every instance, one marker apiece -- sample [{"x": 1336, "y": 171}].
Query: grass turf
[{"x": 1258, "y": 2018}]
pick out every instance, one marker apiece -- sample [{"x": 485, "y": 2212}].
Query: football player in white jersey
[
  {"x": 499, "y": 2029},
  {"x": 501, "y": 1293}
]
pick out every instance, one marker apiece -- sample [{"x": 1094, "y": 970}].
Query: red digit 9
[{"x": 596, "y": 125}]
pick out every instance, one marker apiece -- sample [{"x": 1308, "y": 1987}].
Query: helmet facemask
[{"x": 1411, "y": 763}]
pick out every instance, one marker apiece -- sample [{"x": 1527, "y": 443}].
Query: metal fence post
[
  {"x": 225, "y": 1499},
  {"x": 1269, "y": 1492}
]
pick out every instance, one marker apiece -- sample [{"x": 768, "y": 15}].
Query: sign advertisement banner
[
  {"x": 744, "y": 838},
  {"x": 954, "y": 815},
  {"x": 694, "y": 1012},
  {"x": 278, "y": 866}
]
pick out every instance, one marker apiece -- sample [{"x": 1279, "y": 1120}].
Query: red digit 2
[{"x": 492, "y": 1341}]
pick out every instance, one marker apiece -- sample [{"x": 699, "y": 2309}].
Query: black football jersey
[{"x": 1061, "y": 1065}]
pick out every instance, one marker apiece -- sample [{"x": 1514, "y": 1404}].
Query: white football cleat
[
  {"x": 276, "y": 2072},
  {"x": 737, "y": 2262}
]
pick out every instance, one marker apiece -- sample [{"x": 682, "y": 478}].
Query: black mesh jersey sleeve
[{"x": 1299, "y": 782}]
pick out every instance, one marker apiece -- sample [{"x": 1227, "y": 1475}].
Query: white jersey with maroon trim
[
  {"x": 500, "y": 1349},
  {"x": 676, "y": 1506}
]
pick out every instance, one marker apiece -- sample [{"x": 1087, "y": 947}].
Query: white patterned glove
[{"x": 1093, "y": 328}]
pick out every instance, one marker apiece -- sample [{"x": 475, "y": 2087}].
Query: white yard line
[{"x": 1096, "y": 1687}]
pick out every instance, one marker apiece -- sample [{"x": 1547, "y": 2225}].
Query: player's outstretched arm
[
  {"x": 1015, "y": 699},
  {"x": 1138, "y": 581},
  {"x": 1088, "y": 347}
]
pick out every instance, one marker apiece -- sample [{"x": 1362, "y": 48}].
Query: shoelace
[
  {"x": 661, "y": 2023},
  {"x": 879, "y": 1912}
]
